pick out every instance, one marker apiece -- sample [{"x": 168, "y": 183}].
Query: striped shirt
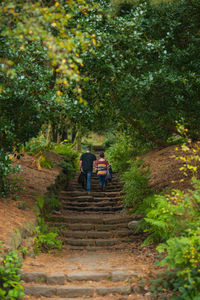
[{"x": 101, "y": 167}]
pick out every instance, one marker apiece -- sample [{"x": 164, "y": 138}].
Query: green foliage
[
  {"x": 64, "y": 149},
  {"x": 71, "y": 162},
  {"x": 183, "y": 259},
  {"x": 46, "y": 241},
  {"x": 136, "y": 188},
  {"x": 174, "y": 220},
  {"x": 168, "y": 215},
  {"x": 22, "y": 205},
  {"x": 119, "y": 154},
  {"x": 10, "y": 277},
  {"x": 52, "y": 203},
  {"x": 147, "y": 54},
  {"x": 109, "y": 141},
  {"x": 68, "y": 168},
  {"x": 45, "y": 162},
  {"x": 7, "y": 185},
  {"x": 37, "y": 145}
]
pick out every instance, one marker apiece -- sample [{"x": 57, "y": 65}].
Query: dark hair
[
  {"x": 89, "y": 148},
  {"x": 101, "y": 155}
]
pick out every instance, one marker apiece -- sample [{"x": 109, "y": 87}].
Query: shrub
[
  {"x": 45, "y": 162},
  {"x": 183, "y": 260},
  {"x": 52, "y": 203},
  {"x": 7, "y": 185},
  {"x": 136, "y": 185},
  {"x": 10, "y": 278},
  {"x": 63, "y": 149},
  {"x": 46, "y": 241},
  {"x": 109, "y": 141},
  {"x": 37, "y": 145},
  {"x": 119, "y": 154},
  {"x": 71, "y": 162},
  {"x": 174, "y": 219},
  {"x": 172, "y": 215}
]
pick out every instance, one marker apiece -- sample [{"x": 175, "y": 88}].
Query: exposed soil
[
  {"x": 35, "y": 182},
  {"x": 164, "y": 167}
]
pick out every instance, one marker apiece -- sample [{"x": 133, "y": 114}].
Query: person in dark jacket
[{"x": 87, "y": 162}]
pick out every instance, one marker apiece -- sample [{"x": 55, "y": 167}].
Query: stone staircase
[
  {"x": 95, "y": 285},
  {"x": 92, "y": 221},
  {"x": 95, "y": 220}
]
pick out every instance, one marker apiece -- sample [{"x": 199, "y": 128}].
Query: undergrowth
[
  {"x": 44, "y": 239},
  {"x": 10, "y": 277},
  {"x": 7, "y": 184}
]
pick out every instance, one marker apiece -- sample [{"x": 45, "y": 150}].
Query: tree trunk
[
  {"x": 78, "y": 140},
  {"x": 49, "y": 133}
]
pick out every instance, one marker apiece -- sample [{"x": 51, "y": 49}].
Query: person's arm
[{"x": 81, "y": 165}]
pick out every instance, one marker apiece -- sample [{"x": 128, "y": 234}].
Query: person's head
[
  {"x": 102, "y": 155},
  {"x": 88, "y": 148}
]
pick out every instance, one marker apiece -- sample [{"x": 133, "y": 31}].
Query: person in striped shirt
[{"x": 102, "y": 166}]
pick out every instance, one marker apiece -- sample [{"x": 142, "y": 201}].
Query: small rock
[
  {"x": 132, "y": 225},
  {"x": 35, "y": 264},
  {"x": 137, "y": 289},
  {"x": 148, "y": 296}
]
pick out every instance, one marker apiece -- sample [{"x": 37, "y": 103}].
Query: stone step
[
  {"x": 92, "y": 194},
  {"x": 96, "y": 185},
  {"x": 90, "y": 204},
  {"x": 83, "y": 199},
  {"x": 97, "y": 242},
  {"x": 62, "y": 278},
  {"x": 82, "y": 227},
  {"x": 91, "y": 220},
  {"x": 97, "y": 234},
  {"x": 75, "y": 291},
  {"x": 93, "y": 209},
  {"x": 96, "y": 191}
]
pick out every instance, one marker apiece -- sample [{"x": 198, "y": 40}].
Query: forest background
[{"x": 129, "y": 69}]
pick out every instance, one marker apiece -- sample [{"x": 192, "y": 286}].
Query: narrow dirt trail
[{"x": 101, "y": 257}]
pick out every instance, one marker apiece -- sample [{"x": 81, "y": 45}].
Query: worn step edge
[
  {"x": 89, "y": 204},
  {"x": 63, "y": 291},
  {"x": 75, "y": 291},
  {"x": 91, "y": 220},
  {"x": 93, "y": 248},
  {"x": 97, "y": 242},
  {"x": 93, "y": 194},
  {"x": 93, "y": 209},
  {"x": 96, "y": 234},
  {"x": 62, "y": 278},
  {"x": 83, "y": 227},
  {"x": 89, "y": 199}
]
